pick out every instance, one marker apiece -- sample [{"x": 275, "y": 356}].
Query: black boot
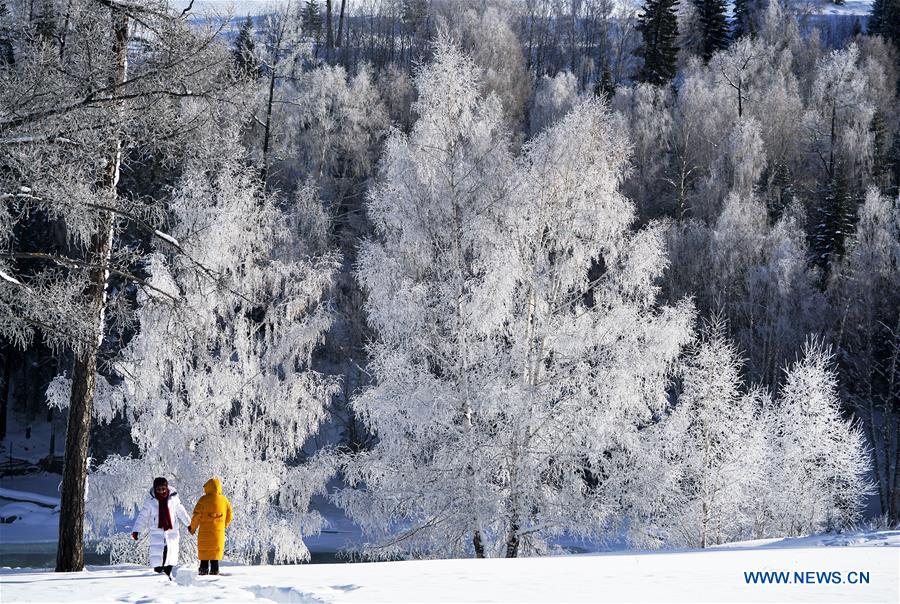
[
  {"x": 168, "y": 570},
  {"x": 214, "y": 567},
  {"x": 204, "y": 567},
  {"x": 157, "y": 569}
]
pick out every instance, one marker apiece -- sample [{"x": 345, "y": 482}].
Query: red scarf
[{"x": 165, "y": 520}]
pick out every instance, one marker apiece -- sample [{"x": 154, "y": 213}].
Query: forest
[{"x": 483, "y": 274}]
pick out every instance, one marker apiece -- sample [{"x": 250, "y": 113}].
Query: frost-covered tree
[
  {"x": 488, "y": 38},
  {"x": 589, "y": 351},
  {"x": 221, "y": 384},
  {"x": 519, "y": 340},
  {"x": 707, "y": 438},
  {"x": 332, "y": 128},
  {"x": 865, "y": 294},
  {"x": 821, "y": 459},
  {"x": 435, "y": 282},
  {"x": 646, "y": 111},
  {"x": 553, "y": 98},
  {"x": 838, "y": 116},
  {"x": 756, "y": 275},
  {"x": 76, "y": 112}
]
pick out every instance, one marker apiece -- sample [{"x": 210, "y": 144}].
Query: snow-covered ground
[
  {"x": 849, "y": 7},
  {"x": 690, "y": 576},
  {"x": 716, "y": 574}
]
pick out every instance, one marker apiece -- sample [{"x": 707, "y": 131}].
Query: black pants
[
  {"x": 164, "y": 568},
  {"x": 210, "y": 567}
]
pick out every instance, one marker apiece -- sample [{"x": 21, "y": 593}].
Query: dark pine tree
[
  {"x": 892, "y": 165},
  {"x": 605, "y": 86},
  {"x": 311, "y": 19},
  {"x": 713, "y": 26},
  {"x": 6, "y": 49},
  {"x": 881, "y": 147},
  {"x": 884, "y": 20},
  {"x": 782, "y": 191},
  {"x": 244, "y": 51},
  {"x": 876, "y": 18},
  {"x": 742, "y": 23},
  {"x": 658, "y": 26},
  {"x": 834, "y": 221},
  {"x": 45, "y": 21}
]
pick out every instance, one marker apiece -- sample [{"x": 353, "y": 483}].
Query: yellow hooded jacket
[{"x": 212, "y": 514}]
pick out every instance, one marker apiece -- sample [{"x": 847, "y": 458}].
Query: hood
[{"x": 213, "y": 485}]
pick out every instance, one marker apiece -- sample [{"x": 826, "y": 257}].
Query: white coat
[{"x": 148, "y": 518}]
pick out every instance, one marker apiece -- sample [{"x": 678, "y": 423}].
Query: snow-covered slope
[{"x": 693, "y": 576}]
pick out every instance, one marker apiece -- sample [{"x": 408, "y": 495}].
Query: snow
[
  {"x": 28, "y": 496},
  {"x": 684, "y": 576},
  {"x": 29, "y": 439},
  {"x": 9, "y": 278},
  {"x": 166, "y": 237},
  {"x": 850, "y": 7}
]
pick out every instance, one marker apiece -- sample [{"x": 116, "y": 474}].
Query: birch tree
[
  {"x": 821, "y": 458},
  {"x": 76, "y": 112},
  {"x": 222, "y": 384},
  {"x": 434, "y": 279},
  {"x": 519, "y": 341}
]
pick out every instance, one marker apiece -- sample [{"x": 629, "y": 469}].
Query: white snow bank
[
  {"x": 694, "y": 576},
  {"x": 29, "y": 496}
]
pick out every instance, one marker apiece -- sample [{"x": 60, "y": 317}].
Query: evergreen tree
[
  {"x": 892, "y": 163},
  {"x": 742, "y": 23},
  {"x": 245, "y": 49},
  {"x": 311, "y": 19},
  {"x": 6, "y": 50},
  {"x": 876, "y": 17},
  {"x": 884, "y": 20},
  {"x": 713, "y": 26},
  {"x": 605, "y": 86},
  {"x": 658, "y": 26},
  {"x": 834, "y": 221},
  {"x": 881, "y": 148},
  {"x": 414, "y": 13},
  {"x": 45, "y": 21},
  {"x": 782, "y": 191}
]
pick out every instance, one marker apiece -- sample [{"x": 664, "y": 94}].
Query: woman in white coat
[{"x": 160, "y": 514}]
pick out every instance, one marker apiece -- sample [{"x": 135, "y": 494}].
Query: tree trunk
[
  {"x": 477, "y": 543},
  {"x": 329, "y": 33},
  {"x": 512, "y": 540},
  {"x": 52, "y": 445},
  {"x": 6, "y": 389},
  {"x": 894, "y": 513},
  {"x": 337, "y": 39},
  {"x": 70, "y": 549},
  {"x": 264, "y": 171}
]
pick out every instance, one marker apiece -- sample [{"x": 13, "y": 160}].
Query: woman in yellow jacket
[{"x": 211, "y": 514}]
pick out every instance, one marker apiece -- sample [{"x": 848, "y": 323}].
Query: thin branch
[{"x": 73, "y": 263}]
